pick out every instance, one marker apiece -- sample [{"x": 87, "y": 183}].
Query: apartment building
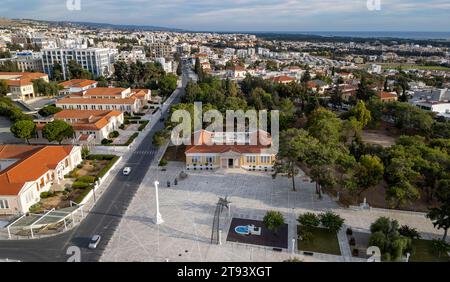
[
  {"x": 98, "y": 61},
  {"x": 160, "y": 49},
  {"x": 27, "y": 171}
]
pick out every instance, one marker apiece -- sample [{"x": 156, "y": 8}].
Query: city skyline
[{"x": 246, "y": 15}]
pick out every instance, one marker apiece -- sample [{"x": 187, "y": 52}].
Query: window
[
  {"x": 251, "y": 159},
  {"x": 196, "y": 159},
  {"x": 210, "y": 159},
  {"x": 265, "y": 159},
  {"x": 4, "y": 205}
]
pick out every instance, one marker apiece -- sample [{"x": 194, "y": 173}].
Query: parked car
[
  {"x": 126, "y": 171},
  {"x": 94, "y": 242}
]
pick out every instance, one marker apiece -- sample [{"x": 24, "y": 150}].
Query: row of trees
[{"x": 57, "y": 130}]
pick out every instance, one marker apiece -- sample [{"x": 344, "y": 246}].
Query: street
[{"x": 105, "y": 215}]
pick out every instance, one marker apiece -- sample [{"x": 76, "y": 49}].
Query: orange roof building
[
  {"x": 27, "y": 171},
  {"x": 21, "y": 83},
  {"x": 250, "y": 151},
  {"x": 106, "y": 98},
  {"x": 387, "y": 96},
  {"x": 96, "y": 123},
  {"x": 77, "y": 85}
]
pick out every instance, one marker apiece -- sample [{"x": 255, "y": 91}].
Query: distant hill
[{"x": 114, "y": 26}]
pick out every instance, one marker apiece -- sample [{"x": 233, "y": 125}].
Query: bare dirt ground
[
  {"x": 378, "y": 137},
  {"x": 92, "y": 167}
]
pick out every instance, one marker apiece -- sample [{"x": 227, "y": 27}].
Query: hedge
[
  {"x": 80, "y": 185},
  {"x": 107, "y": 167},
  {"x": 86, "y": 179},
  {"x": 143, "y": 125},
  {"x": 83, "y": 194},
  {"x": 100, "y": 157}
]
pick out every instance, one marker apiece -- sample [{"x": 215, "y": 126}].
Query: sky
[{"x": 246, "y": 15}]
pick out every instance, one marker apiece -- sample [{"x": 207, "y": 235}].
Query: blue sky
[{"x": 246, "y": 15}]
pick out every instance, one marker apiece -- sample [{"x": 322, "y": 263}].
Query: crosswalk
[{"x": 150, "y": 152}]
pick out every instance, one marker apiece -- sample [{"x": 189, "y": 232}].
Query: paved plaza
[{"x": 188, "y": 210}]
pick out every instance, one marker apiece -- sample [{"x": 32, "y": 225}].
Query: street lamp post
[{"x": 159, "y": 219}]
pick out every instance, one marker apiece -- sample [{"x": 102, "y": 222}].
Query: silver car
[{"x": 94, "y": 241}]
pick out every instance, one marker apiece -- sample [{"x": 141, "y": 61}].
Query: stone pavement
[{"x": 188, "y": 209}]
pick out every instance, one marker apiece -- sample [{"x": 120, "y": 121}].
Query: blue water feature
[{"x": 243, "y": 230}]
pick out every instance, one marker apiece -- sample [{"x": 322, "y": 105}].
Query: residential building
[
  {"x": 97, "y": 124},
  {"x": 27, "y": 171},
  {"x": 212, "y": 151},
  {"x": 160, "y": 50},
  {"x": 387, "y": 96},
  {"x": 103, "y": 98},
  {"x": 236, "y": 72},
  {"x": 283, "y": 79},
  {"x": 21, "y": 83},
  {"x": 76, "y": 86},
  {"x": 99, "y": 61}
]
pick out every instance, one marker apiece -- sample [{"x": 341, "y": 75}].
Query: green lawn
[
  {"x": 322, "y": 242},
  {"x": 423, "y": 252}
]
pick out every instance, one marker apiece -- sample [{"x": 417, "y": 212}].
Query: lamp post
[{"x": 159, "y": 219}]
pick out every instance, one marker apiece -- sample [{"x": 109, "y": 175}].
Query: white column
[
  {"x": 220, "y": 237},
  {"x": 159, "y": 219},
  {"x": 293, "y": 246}
]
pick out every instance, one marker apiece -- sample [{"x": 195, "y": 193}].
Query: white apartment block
[{"x": 98, "y": 61}]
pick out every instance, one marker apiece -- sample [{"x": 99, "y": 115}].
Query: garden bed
[
  {"x": 321, "y": 241},
  {"x": 267, "y": 238},
  {"x": 423, "y": 252},
  {"x": 175, "y": 154}
]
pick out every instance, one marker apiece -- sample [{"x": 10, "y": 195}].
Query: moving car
[
  {"x": 94, "y": 241},
  {"x": 126, "y": 171}
]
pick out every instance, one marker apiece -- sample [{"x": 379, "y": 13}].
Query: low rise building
[
  {"x": 21, "y": 83},
  {"x": 210, "y": 153},
  {"x": 104, "y": 98},
  {"x": 27, "y": 171},
  {"x": 96, "y": 124},
  {"x": 76, "y": 86}
]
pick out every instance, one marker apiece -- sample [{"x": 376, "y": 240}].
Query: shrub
[
  {"x": 145, "y": 107},
  {"x": 48, "y": 194},
  {"x": 80, "y": 166},
  {"x": 333, "y": 222},
  {"x": 409, "y": 232},
  {"x": 106, "y": 141},
  {"x": 86, "y": 179},
  {"x": 80, "y": 185},
  {"x": 122, "y": 126},
  {"x": 114, "y": 134},
  {"x": 143, "y": 125},
  {"x": 163, "y": 162},
  {"x": 83, "y": 194},
  {"x": 107, "y": 167},
  {"x": 349, "y": 232},
  {"x": 35, "y": 208},
  {"x": 309, "y": 220},
  {"x": 100, "y": 157},
  {"x": 272, "y": 220},
  {"x": 131, "y": 139}
]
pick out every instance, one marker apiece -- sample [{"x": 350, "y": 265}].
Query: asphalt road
[{"x": 104, "y": 217}]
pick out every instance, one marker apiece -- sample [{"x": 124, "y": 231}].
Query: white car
[
  {"x": 126, "y": 171},
  {"x": 94, "y": 241}
]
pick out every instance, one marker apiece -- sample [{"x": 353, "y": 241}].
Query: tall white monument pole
[{"x": 159, "y": 219}]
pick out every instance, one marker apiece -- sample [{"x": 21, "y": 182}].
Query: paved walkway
[{"x": 188, "y": 210}]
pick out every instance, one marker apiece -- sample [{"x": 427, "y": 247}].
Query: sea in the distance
[{"x": 418, "y": 35}]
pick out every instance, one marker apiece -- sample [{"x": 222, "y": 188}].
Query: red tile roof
[{"x": 32, "y": 163}]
